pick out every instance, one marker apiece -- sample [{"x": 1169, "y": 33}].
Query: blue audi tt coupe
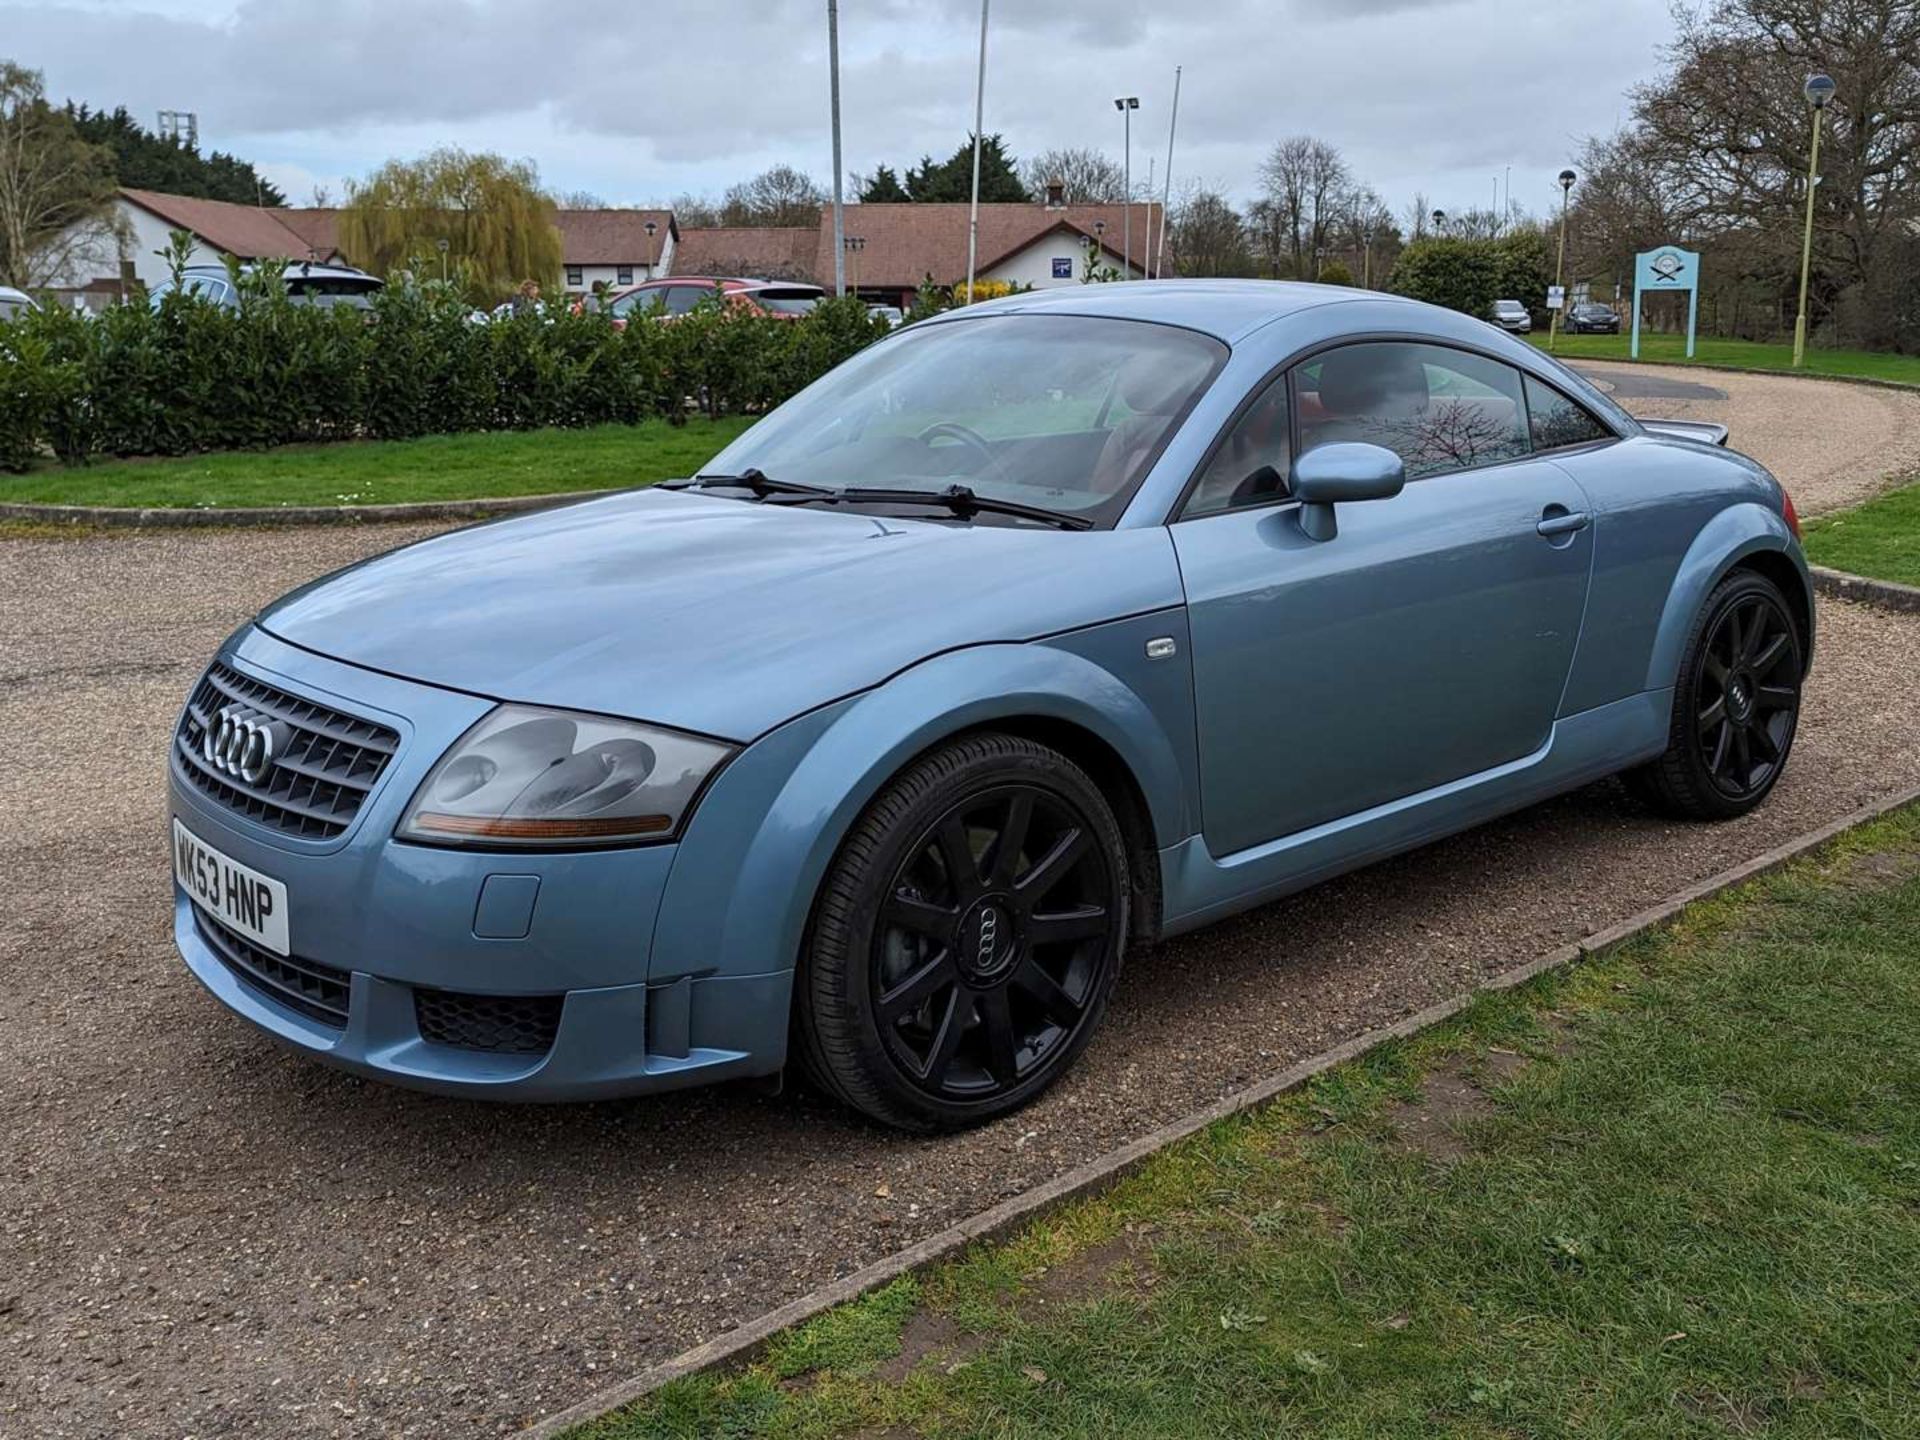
[{"x": 1033, "y": 633}]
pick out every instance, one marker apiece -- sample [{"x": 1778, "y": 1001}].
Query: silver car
[{"x": 1512, "y": 316}]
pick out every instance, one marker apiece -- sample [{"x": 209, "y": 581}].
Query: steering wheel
[{"x": 972, "y": 439}]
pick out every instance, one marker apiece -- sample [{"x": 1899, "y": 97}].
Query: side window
[
  {"x": 1555, "y": 420},
  {"x": 1251, "y": 465},
  {"x": 1438, "y": 409},
  {"x": 682, "y": 298}
]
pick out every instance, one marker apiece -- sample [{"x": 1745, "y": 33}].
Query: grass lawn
[
  {"x": 1672, "y": 1192},
  {"x": 1741, "y": 354},
  {"x": 1880, "y": 538},
  {"x": 377, "y": 472}
]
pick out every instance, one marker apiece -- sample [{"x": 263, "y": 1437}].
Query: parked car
[
  {"x": 1591, "y": 318},
  {"x": 307, "y": 283},
  {"x": 1035, "y": 631},
  {"x": 1512, "y": 315},
  {"x": 15, "y": 303},
  {"x": 892, "y": 314},
  {"x": 677, "y": 294}
]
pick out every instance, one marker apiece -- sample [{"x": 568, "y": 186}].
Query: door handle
[{"x": 1560, "y": 521}]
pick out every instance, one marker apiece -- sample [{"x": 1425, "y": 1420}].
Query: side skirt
[{"x": 1581, "y": 748}]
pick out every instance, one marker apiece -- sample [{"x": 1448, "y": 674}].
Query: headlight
[{"x": 528, "y": 778}]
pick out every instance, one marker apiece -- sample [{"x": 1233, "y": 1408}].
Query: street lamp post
[
  {"x": 1567, "y": 177},
  {"x": 1126, "y": 105},
  {"x": 979, "y": 122},
  {"x": 441, "y": 246},
  {"x": 854, "y": 244},
  {"x": 1440, "y": 222},
  {"x": 1818, "y": 90},
  {"x": 653, "y": 251}
]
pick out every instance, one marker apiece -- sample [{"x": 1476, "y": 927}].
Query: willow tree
[{"x": 495, "y": 222}]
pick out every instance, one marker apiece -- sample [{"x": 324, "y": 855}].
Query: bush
[
  {"x": 187, "y": 375},
  {"x": 1469, "y": 275}
]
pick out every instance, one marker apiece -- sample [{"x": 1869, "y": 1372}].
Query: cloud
[{"x": 1427, "y": 94}]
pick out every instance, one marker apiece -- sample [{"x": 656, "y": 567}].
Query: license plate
[{"x": 239, "y": 897}]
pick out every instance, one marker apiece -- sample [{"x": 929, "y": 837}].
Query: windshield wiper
[
  {"x": 760, "y": 483},
  {"x": 962, "y": 500}
]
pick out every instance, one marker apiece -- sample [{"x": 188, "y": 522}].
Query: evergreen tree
[
  {"x": 146, "y": 161},
  {"x": 952, "y": 179},
  {"x": 883, "y": 187}
]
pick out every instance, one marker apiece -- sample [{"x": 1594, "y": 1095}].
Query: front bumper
[{"x": 402, "y": 928}]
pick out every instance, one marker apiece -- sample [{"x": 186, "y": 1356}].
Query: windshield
[{"x": 1062, "y": 412}]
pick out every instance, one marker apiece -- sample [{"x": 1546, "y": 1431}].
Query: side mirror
[{"x": 1338, "y": 474}]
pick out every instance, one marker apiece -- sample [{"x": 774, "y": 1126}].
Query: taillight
[{"x": 1791, "y": 515}]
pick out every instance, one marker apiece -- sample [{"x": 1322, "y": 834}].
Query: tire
[
  {"x": 941, "y": 985},
  {"x": 1736, "y": 705}
]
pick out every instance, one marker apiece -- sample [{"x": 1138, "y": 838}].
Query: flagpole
[
  {"x": 839, "y": 198},
  {"x": 1166, "y": 198},
  {"x": 979, "y": 120}
]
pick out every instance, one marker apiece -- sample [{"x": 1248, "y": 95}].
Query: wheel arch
[
  {"x": 1746, "y": 535},
  {"x": 758, "y": 848}
]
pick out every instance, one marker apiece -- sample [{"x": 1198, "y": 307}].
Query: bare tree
[
  {"x": 1418, "y": 212},
  {"x": 56, "y": 190},
  {"x": 694, "y": 212},
  {"x": 1722, "y": 138},
  {"x": 1090, "y": 178},
  {"x": 780, "y": 196},
  {"x": 580, "y": 200},
  {"x": 1208, "y": 236},
  {"x": 1304, "y": 181}
]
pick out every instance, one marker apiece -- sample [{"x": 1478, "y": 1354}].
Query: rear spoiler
[{"x": 1707, "y": 432}]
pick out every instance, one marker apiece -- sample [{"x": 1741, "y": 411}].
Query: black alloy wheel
[
  {"x": 1736, "y": 708},
  {"x": 967, "y": 938}
]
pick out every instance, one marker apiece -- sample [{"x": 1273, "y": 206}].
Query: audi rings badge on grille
[{"x": 243, "y": 742}]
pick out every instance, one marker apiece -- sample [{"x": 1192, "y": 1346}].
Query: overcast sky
[{"x": 642, "y": 101}]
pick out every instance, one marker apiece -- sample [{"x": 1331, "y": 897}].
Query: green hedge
[{"x": 189, "y": 376}]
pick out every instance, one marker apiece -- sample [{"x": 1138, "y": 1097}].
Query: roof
[
  {"x": 1227, "y": 309},
  {"x": 904, "y": 244},
  {"x": 613, "y": 237},
  {"x": 777, "y": 251},
  {"x": 319, "y": 228},
  {"x": 248, "y": 231}
]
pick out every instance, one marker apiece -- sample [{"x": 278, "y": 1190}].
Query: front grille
[
  {"x": 322, "y": 770},
  {"x": 317, "y": 991},
  {"x": 504, "y": 1024}
]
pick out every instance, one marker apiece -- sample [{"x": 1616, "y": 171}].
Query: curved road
[
  {"x": 1831, "y": 444},
  {"x": 205, "y": 1235}
]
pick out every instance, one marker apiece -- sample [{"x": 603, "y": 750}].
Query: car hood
[{"x": 712, "y": 614}]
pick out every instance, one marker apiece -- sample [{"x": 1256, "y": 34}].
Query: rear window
[{"x": 786, "y": 302}]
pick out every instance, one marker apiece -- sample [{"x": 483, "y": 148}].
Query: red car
[{"x": 677, "y": 294}]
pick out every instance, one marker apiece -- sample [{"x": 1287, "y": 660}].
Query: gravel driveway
[
  {"x": 1832, "y": 444},
  {"x": 204, "y": 1235}
]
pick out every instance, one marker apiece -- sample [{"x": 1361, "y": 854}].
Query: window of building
[
  {"x": 574, "y": 275},
  {"x": 624, "y": 275}
]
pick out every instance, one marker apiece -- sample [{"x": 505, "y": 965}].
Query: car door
[{"x": 1428, "y": 641}]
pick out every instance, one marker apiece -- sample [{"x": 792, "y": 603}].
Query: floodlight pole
[
  {"x": 979, "y": 121},
  {"x": 1126, "y": 105},
  {"x": 839, "y": 184},
  {"x": 1819, "y": 90}
]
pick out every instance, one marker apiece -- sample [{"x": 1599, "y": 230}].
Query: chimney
[{"x": 1056, "y": 194}]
